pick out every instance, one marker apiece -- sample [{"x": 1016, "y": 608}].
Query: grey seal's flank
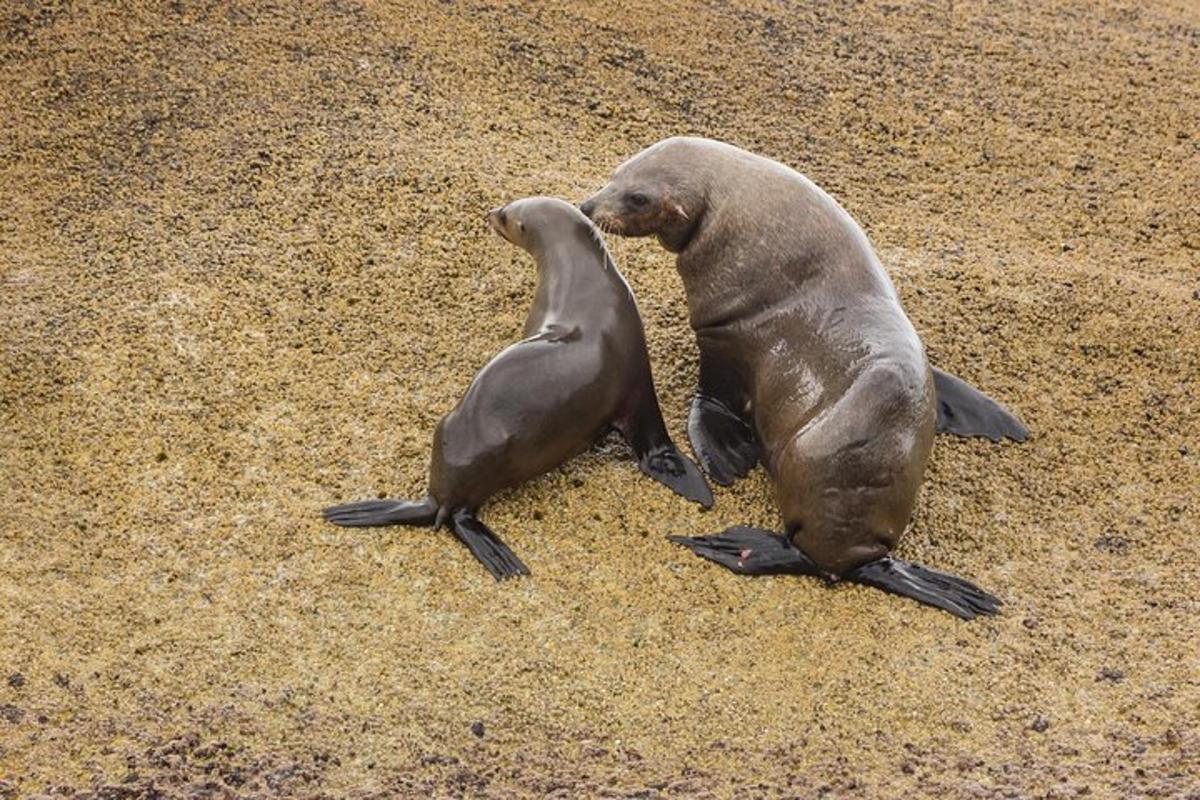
[
  {"x": 581, "y": 370},
  {"x": 808, "y": 364}
]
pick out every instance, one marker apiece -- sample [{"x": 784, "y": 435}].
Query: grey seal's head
[
  {"x": 662, "y": 191},
  {"x": 533, "y": 223}
]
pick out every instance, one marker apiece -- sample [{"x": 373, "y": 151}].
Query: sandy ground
[{"x": 245, "y": 271}]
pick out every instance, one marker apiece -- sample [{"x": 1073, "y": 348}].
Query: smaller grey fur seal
[{"x": 581, "y": 370}]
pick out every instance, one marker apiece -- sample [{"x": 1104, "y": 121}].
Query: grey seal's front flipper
[
  {"x": 965, "y": 411},
  {"x": 657, "y": 455},
  {"x": 677, "y": 472},
  {"x": 754, "y": 551},
  {"x": 724, "y": 442}
]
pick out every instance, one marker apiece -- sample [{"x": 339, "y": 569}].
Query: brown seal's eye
[{"x": 637, "y": 199}]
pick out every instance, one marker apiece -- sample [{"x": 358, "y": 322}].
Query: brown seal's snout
[{"x": 600, "y": 209}]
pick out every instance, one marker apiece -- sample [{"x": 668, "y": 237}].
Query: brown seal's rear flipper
[
  {"x": 961, "y": 598},
  {"x": 369, "y": 513},
  {"x": 965, "y": 411},
  {"x": 754, "y": 551},
  {"x": 724, "y": 442},
  {"x": 487, "y": 547}
]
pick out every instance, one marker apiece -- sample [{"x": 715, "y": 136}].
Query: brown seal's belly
[{"x": 845, "y": 425}]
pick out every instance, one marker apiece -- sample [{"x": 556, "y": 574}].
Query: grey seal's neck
[{"x": 575, "y": 276}]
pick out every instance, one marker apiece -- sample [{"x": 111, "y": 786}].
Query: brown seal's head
[
  {"x": 532, "y": 223},
  {"x": 659, "y": 192}
]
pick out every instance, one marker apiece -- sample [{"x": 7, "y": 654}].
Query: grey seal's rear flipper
[
  {"x": 961, "y": 598},
  {"x": 724, "y": 442},
  {"x": 751, "y": 551},
  {"x": 369, "y": 513},
  {"x": 487, "y": 547},
  {"x": 483, "y": 544},
  {"x": 754, "y": 551},
  {"x": 965, "y": 411}
]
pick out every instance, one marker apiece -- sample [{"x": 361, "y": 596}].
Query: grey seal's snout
[{"x": 496, "y": 218}]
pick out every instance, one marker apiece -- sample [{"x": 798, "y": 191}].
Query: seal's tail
[
  {"x": 965, "y": 411},
  {"x": 753, "y": 551},
  {"x": 369, "y": 513}
]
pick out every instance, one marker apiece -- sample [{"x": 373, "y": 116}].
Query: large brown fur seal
[
  {"x": 807, "y": 363},
  {"x": 581, "y": 370}
]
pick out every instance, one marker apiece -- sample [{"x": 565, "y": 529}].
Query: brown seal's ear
[{"x": 675, "y": 207}]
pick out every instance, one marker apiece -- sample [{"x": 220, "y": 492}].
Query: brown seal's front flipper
[
  {"x": 751, "y": 551},
  {"x": 483, "y": 544},
  {"x": 961, "y": 598},
  {"x": 657, "y": 455},
  {"x": 724, "y": 442},
  {"x": 965, "y": 411},
  {"x": 754, "y": 551}
]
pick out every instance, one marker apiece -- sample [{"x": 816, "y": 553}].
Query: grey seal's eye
[{"x": 637, "y": 199}]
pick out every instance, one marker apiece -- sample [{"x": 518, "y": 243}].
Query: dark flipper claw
[
  {"x": 724, "y": 442},
  {"x": 965, "y": 411}
]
